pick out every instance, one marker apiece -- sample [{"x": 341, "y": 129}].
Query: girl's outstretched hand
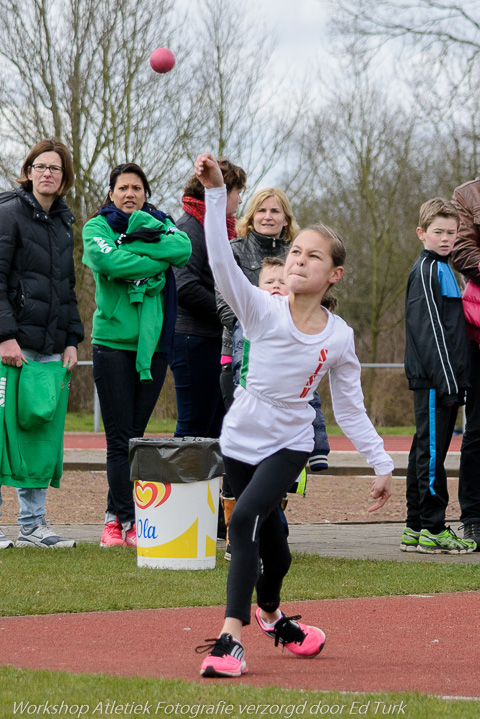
[
  {"x": 208, "y": 171},
  {"x": 381, "y": 490}
]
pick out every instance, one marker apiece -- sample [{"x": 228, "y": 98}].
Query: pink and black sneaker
[
  {"x": 226, "y": 659},
  {"x": 300, "y": 639}
]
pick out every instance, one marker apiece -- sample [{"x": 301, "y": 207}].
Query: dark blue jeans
[
  {"x": 196, "y": 371},
  {"x": 469, "y": 479},
  {"x": 126, "y": 405}
]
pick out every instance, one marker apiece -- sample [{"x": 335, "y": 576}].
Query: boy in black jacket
[{"x": 436, "y": 365}]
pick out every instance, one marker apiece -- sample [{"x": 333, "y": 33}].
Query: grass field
[
  {"x": 93, "y": 696},
  {"x": 77, "y": 422},
  {"x": 61, "y": 581}
]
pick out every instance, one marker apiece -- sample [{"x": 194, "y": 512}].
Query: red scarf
[{"x": 196, "y": 208}]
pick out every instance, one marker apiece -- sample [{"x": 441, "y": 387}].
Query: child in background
[
  {"x": 272, "y": 280},
  {"x": 436, "y": 365},
  {"x": 267, "y": 435}
]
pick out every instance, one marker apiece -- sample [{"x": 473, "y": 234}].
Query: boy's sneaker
[
  {"x": 228, "y": 552},
  {"x": 5, "y": 542},
  {"x": 43, "y": 536},
  {"x": 131, "y": 536},
  {"x": 409, "y": 541},
  {"x": 446, "y": 542},
  {"x": 227, "y": 658},
  {"x": 471, "y": 530},
  {"x": 300, "y": 639},
  {"x": 112, "y": 535}
]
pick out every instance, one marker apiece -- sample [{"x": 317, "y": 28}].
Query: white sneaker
[
  {"x": 5, "y": 543},
  {"x": 43, "y": 536}
]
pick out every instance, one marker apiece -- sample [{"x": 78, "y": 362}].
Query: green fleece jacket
[
  {"x": 33, "y": 405},
  {"x": 129, "y": 316}
]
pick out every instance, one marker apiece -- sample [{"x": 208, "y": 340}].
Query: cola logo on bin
[{"x": 151, "y": 493}]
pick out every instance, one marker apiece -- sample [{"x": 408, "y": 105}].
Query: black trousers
[
  {"x": 427, "y": 494},
  {"x": 257, "y": 531},
  {"x": 126, "y": 405},
  {"x": 469, "y": 480}
]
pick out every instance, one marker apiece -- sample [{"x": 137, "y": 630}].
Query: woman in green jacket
[{"x": 130, "y": 247}]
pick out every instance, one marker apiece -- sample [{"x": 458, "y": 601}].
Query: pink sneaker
[
  {"x": 227, "y": 658},
  {"x": 300, "y": 639},
  {"x": 112, "y": 535},
  {"x": 131, "y": 536}
]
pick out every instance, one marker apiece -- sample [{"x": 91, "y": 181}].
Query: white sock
[{"x": 272, "y": 624}]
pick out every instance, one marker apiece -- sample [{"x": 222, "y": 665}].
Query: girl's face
[
  {"x": 128, "y": 194},
  {"x": 270, "y": 218},
  {"x": 309, "y": 267}
]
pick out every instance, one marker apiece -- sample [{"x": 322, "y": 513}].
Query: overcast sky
[
  {"x": 301, "y": 31},
  {"x": 299, "y": 26}
]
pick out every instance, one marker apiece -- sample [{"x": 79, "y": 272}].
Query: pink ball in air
[{"x": 162, "y": 60}]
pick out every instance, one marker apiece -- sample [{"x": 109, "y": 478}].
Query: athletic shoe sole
[
  {"x": 440, "y": 550},
  {"x": 408, "y": 547},
  {"x": 210, "y": 672},
  {"x": 59, "y": 545}
]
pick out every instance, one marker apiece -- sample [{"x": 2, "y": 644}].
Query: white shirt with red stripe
[{"x": 283, "y": 366}]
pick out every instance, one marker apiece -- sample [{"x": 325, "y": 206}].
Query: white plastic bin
[{"x": 176, "y": 490}]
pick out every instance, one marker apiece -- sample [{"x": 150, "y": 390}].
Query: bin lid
[{"x": 172, "y": 460}]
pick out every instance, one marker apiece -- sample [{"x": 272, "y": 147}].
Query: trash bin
[{"x": 176, "y": 488}]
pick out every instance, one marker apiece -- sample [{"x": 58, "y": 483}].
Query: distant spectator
[
  {"x": 40, "y": 329},
  {"x": 466, "y": 259},
  {"x": 130, "y": 246},
  {"x": 198, "y": 333},
  {"x": 436, "y": 365}
]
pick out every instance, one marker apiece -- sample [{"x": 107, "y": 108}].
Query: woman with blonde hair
[{"x": 263, "y": 206}]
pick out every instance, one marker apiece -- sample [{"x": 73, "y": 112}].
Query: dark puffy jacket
[
  {"x": 249, "y": 251},
  {"x": 197, "y": 311},
  {"x": 38, "y": 306}
]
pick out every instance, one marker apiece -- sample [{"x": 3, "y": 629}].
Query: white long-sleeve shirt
[{"x": 283, "y": 366}]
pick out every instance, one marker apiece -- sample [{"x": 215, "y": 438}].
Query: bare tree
[
  {"x": 446, "y": 31},
  {"x": 79, "y": 69},
  {"x": 364, "y": 173},
  {"x": 247, "y": 113}
]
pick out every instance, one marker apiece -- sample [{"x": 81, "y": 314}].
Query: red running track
[
  {"x": 427, "y": 644},
  {"x": 338, "y": 443}
]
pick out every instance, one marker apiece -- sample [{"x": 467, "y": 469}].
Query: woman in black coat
[{"x": 39, "y": 319}]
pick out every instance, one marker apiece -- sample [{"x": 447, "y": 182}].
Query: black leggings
[{"x": 256, "y": 530}]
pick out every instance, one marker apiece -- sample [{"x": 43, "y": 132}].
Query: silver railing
[{"x": 96, "y": 403}]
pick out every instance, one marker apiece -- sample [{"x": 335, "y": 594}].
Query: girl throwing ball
[{"x": 267, "y": 435}]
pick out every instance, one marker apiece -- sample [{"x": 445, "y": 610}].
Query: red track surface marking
[
  {"x": 395, "y": 644},
  {"x": 393, "y": 443}
]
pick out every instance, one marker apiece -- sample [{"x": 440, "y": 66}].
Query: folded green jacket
[{"x": 33, "y": 406}]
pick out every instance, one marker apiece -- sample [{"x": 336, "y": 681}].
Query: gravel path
[{"x": 81, "y": 499}]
